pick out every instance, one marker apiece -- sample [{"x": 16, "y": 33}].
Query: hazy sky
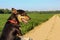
[{"x": 31, "y": 4}]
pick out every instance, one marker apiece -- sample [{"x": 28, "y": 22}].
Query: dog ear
[{"x": 14, "y": 11}]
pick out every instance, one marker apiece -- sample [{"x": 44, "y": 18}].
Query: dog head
[{"x": 21, "y": 15}]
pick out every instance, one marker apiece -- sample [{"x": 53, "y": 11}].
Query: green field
[{"x": 36, "y": 19}]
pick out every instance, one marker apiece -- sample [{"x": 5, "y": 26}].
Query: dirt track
[{"x": 49, "y": 30}]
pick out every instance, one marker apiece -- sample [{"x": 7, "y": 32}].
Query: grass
[{"x": 36, "y": 19}]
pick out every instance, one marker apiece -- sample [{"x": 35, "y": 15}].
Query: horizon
[
  {"x": 31, "y": 5},
  {"x": 30, "y": 10}
]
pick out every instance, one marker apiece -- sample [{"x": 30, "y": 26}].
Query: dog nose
[{"x": 29, "y": 18}]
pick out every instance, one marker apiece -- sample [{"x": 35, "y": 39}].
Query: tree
[{"x": 1, "y": 11}]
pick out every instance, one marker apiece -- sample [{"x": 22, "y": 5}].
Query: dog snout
[{"x": 29, "y": 18}]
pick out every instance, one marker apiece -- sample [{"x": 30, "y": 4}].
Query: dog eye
[{"x": 23, "y": 14}]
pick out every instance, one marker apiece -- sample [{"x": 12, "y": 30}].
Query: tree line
[{"x": 7, "y": 11}]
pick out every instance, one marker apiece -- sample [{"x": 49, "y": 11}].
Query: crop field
[{"x": 36, "y": 19}]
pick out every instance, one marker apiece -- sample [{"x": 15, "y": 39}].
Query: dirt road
[{"x": 50, "y": 30}]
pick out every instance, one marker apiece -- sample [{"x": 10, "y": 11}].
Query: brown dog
[{"x": 11, "y": 29}]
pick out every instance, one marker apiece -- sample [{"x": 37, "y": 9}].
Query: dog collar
[{"x": 13, "y": 21}]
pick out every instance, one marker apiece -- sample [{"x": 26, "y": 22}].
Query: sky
[{"x": 32, "y": 5}]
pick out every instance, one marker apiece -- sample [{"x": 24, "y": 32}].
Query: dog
[{"x": 11, "y": 29}]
